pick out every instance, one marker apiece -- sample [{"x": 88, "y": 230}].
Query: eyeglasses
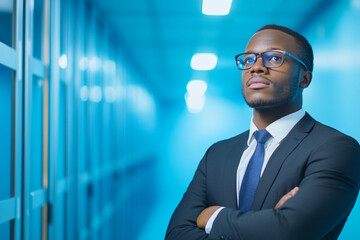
[{"x": 270, "y": 59}]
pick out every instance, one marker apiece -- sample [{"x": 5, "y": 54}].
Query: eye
[
  {"x": 273, "y": 58},
  {"x": 249, "y": 59}
]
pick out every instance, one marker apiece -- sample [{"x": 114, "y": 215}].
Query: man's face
[{"x": 272, "y": 87}]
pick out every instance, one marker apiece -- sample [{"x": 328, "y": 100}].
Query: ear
[{"x": 305, "y": 79}]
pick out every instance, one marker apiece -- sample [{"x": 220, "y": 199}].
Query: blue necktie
[{"x": 253, "y": 170}]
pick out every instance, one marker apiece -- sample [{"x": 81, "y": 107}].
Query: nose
[{"x": 258, "y": 66}]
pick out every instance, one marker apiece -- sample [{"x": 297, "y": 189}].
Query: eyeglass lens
[{"x": 270, "y": 59}]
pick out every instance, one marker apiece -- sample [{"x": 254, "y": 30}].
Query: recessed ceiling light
[
  {"x": 203, "y": 61},
  {"x": 194, "y": 104},
  {"x": 63, "y": 61},
  {"x": 196, "y": 87},
  {"x": 216, "y": 7}
]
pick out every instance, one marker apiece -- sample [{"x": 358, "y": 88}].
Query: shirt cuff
[{"x": 211, "y": 220}]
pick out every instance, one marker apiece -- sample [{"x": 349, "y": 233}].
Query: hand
[
  {"x": 204, "y": 216},
  {"x": 287, "y": 196}
]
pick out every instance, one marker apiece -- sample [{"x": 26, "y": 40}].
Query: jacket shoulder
[
  {"x": 330, "y": 133},
  {"x": 230, "y": 143}
]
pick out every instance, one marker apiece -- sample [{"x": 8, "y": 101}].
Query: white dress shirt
[{"x": 278, "y": 130}]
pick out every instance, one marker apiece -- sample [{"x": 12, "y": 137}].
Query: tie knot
[{"x": 262, "y": 136}]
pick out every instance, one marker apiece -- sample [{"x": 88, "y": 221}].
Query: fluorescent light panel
[
  {"x": 203, "y": 61},
  {"x": 196, "y": 87},
  {"x": 216, "y": 7},
  {"x": 195, "y": 95},
  {"x": 63, "y": 61},
  {"x": 194, "y": 104}
]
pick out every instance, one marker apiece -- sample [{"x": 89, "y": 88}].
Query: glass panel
[
  {"x": 38, "y": 28},
  {"x": 60, "y": 216},
  {"x": 5, "y": 230},
  {"x": 36, "y": 218},
  {"x": 61, "y": 166},
  {"x": 84, "y": 99},
  {"x": 6, "y": 21},
  {"x": 83, "y": 128},
  {"x": 83, "y": 207},
  {"x": 36, "y": 134},
  {"x": 113, "y": 143},
  {"x": 63, "y": 26},
  {"x": 5, "y": 131}
]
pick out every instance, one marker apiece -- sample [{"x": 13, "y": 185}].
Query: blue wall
[{"x": 333, "y": 96}]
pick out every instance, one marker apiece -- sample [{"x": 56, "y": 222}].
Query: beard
[
  {"x": 261, "y": 103},
  {"x": 267, "y": 104},
  {"x": 276, "y": 101}
]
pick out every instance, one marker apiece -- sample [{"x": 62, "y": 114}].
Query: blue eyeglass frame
[{"x": 275, "y": 50}]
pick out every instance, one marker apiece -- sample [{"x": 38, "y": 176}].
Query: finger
[
  {"x": 281, "y": 201},
  {"x": 294, "y": 191},
  {"x": 287, "y": 196}
]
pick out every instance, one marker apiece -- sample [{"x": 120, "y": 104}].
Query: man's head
[
  {"x": 306, "y": 52},
  {"x": 276, "y": 79}
]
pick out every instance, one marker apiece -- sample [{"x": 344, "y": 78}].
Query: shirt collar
[{"x": 280, "y": 128}]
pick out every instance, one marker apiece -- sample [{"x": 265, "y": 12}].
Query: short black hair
[{"x": 307, "y": 55}]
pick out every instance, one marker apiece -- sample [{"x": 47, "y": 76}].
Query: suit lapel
[
  {"x": 289, "y": 143},
  {"x": 232, "y": 163}
]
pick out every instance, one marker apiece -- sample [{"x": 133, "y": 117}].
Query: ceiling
[{"x": 160, "y": 36}]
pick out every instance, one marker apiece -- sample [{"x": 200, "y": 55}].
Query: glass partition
[{"x": 6, "y": 21}]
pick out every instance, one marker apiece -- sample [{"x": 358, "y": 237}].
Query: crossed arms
[
  {"x": 328, "y": 182},
  {"x": 204, "y": 216}
]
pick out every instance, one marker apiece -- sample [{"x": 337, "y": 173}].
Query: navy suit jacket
[{"x": 323, "y": 162}]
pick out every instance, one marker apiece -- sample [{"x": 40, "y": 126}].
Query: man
[{"x": 289, "y": 176}]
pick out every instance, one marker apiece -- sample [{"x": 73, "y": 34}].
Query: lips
[{"x": 257, "y": 83}]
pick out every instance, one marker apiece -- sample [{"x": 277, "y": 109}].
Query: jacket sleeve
[
  {"x": 182, "y": 225},
  {"x": 327, "y": 194}
]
